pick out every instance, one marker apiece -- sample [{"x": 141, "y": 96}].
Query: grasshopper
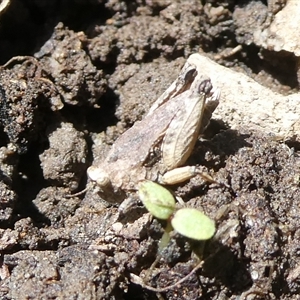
[{"x": 171, "y": 128}]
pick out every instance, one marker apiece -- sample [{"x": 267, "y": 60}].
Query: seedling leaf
[
  {"x": 157, "y": 199},
  {"x": 193, "y": 224}
]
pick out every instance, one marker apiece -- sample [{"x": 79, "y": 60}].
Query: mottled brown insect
[{"x": 172, "y": 126}]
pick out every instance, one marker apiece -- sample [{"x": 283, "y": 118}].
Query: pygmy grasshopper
[{"x": 172, "y": 127}]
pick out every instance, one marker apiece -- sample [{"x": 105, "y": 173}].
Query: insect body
[{"x": 172, "y": 124}]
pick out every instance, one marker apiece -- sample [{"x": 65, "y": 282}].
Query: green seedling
[
  {"x": 189, "y": 222},
  {"x": 158, "y": 200},
  {"x": 193, "y": 224}
]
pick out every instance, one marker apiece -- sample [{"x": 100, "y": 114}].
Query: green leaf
[
  {"x": 193, "y": 224},
  {"x": 157, "y": 199}
]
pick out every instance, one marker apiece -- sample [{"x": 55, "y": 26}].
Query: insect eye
[{"x": 98, "y": 175}]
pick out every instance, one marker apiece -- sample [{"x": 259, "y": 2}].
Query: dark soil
[{"x": 74, "y": 76}]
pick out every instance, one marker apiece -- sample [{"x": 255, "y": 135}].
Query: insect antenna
[{"x": 88, "y": 186}]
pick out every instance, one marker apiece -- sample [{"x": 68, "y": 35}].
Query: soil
[{"x": 74, "y": 76}]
